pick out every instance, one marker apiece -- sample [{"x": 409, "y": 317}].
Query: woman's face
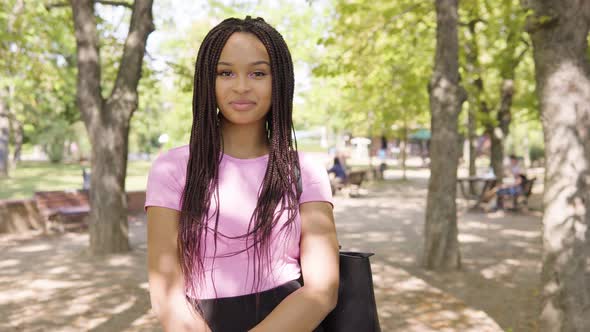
[{"x": 243, "y": 86}]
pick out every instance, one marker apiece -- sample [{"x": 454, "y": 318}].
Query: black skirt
[{"x": 241, "y": 313}]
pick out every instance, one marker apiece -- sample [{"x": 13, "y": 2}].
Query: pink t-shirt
[{"x": 231, "y": 274}]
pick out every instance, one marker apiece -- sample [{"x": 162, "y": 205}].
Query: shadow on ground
[
  {"x": 501, "y": 254},
  {"x": 50, "y": 284}
]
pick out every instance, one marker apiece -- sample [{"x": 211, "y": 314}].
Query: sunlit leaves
[{"x": 381, "y": 52}]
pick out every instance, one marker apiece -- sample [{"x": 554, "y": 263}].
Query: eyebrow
[{"x": 261, "y": 62}]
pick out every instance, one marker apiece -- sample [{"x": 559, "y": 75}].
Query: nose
[{"x": 241, "y": 84}]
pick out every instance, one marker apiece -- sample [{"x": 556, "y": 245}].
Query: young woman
[{"x": 237, "y": 217}]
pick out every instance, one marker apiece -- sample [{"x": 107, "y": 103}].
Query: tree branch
[
  {"x": 142, "y": 24},
  {"x": 537, "y": 22},
  {"x": 50, "y": 6},
  {"x": 115, "y": 3},
  {"x": 404, "y": 12},
  {"x": 88, "y": 95},
  {"x": 472, "y": 22}
]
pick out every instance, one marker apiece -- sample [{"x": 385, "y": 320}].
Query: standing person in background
[{"x": 238, "y": 216}]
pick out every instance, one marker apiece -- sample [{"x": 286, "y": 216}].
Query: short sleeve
[
  {"x": 315, "y": 182},
  {"x": 164, "y": 188}
]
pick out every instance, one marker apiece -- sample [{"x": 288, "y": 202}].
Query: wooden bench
[
  {"x": 354, "y": 180},
  {"x": 522, "y": 199},
  {"x": 527, "y": 190},
  {"x": 64, "y": 210},
  {"x": 357, "y": 177}
]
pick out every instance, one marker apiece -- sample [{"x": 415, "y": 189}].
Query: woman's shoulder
[
  {"x": 171, "y": 162},
  {"x": 313, "y": 165},
  {"x": 179, "y": 153},
  {"x": 315, "y": 179},
  {"x": 311, "y": 160},
  {"x": 166, "y": 179}
]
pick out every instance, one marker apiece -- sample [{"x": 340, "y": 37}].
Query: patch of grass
[{"x": 30, "y": 176}]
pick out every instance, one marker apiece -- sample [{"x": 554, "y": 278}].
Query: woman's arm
[
  {"x": 304, "y": 309},
  {"x": 166, "y": 282}
]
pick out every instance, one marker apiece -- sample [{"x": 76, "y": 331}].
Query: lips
[{"x": 242, "y": 104}]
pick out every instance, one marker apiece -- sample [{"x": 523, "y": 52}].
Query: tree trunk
[
  {"x": 508, "y": 66},
  {"x": 473, "y": 66},
  {"x": 441, "y": 248},
  {"x": 471, "y": 139},
  {"x": 404, "y": 149},
  {"x": 107, "y": 187},
  {"x": 107, "y": 121},
  {"x": 4, "y": 134},
  {"x": 497, "y": 130},
  {"x": 559, "y": 31},
  {"x": 17, "y": 134},
  {"x": 6, "y": 95},
  {"x": 496, "y": 151},
  {"x": 501, "y": 131}
]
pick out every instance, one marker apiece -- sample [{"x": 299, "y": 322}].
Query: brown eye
[
  {"x": 225, "y": 73},
  {"x": 258, "y": 74}
]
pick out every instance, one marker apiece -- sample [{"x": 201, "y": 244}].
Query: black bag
[{"x": 356, "y": 309}]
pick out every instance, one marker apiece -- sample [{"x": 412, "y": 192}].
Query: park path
[{"x": 48, "y": 283}]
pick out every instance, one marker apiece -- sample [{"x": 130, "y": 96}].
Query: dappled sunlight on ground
[
  {"x": 53, "y": 285},
  {"x": 50, "y": 283},
  {"x": 497, "y": 288}
]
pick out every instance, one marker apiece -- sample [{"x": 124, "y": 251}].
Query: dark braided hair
[{"x": 279, "y": 192}]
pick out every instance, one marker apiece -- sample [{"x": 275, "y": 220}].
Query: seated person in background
[
  {"x": 513, "y": 189},
  {"x": 339, "y": 174}
]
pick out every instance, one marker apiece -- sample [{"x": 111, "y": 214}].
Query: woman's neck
[{"x": 244, "y": 141}]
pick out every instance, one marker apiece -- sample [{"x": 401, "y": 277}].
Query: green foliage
[
  {"x": 37, "y": 63},
  {"x": 503, "y": 51},
  {"x": 145, "y": 123},
  {"x": 301, "y": 26},
  {"x": 113, "y": 25},
  {"x": 54, "y": 137},
  {"x": 381, "y": 67},
  {"x": 361, "y": 66},
  {"x": 537, "y": 152}
]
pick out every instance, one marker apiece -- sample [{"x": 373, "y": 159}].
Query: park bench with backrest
[
  {"x": 64, "y": 210},
  {"x": 353, "y": 181},
  {"x": 522, "y": 198},
  {"x": 527, "y": 189},
  {"x": 356, "y": 178}
]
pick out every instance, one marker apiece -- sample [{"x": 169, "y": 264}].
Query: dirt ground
[{"x": 49, "y": 283}]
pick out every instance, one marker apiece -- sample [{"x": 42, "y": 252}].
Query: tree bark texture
[
  {"x": 471, "y": 137},
  {"x": 511, "y": 60},
  {"x": 107, "y": 120},
  {"x": 441, "y": 247},
  {"x": 559, "y": 31},
  {"x": 6, "y": 92},
  {"x": 499, "y": 132},
  {"x": 404, "y": 149},
  {"x": 504, "y": 117},
  {"x": 475, "y": 96},
  {"x": 17, "y": 135},
  {"x": 4, "y": 133}
]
